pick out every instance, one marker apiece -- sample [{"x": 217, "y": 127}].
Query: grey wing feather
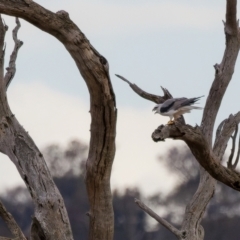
[
  {"x": 171, "y": 104},
  {"x": 190, "y": 101},
  {"x": 182, "y": 102},
  {"x": 176, "y": 103}
]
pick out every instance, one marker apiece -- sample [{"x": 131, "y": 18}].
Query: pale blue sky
[{"x": 169, "y": 43}]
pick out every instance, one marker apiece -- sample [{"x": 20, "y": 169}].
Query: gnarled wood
[
  {"x": 49, "y": 209},
  {"x": 11, "y": 223},
  {"x": 94, "y": 69},
  {"x": 209, "y": 160},
  {"x": 11, "y": 69},
  {"x": 223, "y": 71},
  {"x": 146, "y": 95}
]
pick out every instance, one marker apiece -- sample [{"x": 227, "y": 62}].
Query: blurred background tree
[{"x": 67, "y": 166}]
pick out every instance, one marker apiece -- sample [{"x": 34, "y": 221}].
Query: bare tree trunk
[
  {"x": 50, "y": 216},
  {"x": 94, "y": 69}
]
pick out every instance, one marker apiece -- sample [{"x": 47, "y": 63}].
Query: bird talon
[{"x": 170, "y": 122}]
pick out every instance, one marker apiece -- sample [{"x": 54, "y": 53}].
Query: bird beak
[{"x": 155, "y": 109}]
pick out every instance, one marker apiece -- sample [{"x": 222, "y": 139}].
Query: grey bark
[
  {"x": 11, "y": 223},
  {"x": 49, "y": 209},
  {"x": 94, "y": 69},
  {"x": 162, "y": 221}
]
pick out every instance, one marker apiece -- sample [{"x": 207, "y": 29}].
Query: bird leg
[{"x": 171, "y": 122}]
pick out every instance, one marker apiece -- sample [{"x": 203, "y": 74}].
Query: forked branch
[
  {"x": 223, "y": 71},
  {"x": 200, "y": 148},
  {"x": 16, "y": 143},
  {"x": 11, "y": 223},
  {"x": 11, "y": 69},
  {"x": 151, "y": 97}
]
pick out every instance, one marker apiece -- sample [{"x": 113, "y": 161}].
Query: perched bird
[{"x": 175, "y": 107}]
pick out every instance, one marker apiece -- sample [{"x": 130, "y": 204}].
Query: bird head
[{"x": 155, "y": 109}]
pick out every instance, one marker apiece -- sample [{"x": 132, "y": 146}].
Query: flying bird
[{"x": 175, "y": 107}]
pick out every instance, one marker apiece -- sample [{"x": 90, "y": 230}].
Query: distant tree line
[{"x": 68, "y": 169}]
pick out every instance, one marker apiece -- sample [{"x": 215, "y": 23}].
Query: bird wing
[
  {"x": 172, "y": 104},
  {"x": 189, "y": 101}
]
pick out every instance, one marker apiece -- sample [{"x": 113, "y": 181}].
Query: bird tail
[
  {"x": 189, "y": 108},
  {"x": 191, "y": 101},
  {"x": 195, "y": 107}
]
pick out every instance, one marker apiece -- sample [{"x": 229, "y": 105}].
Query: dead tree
[
  {"x": 50, "y": 220},
  {"x": 199, "y": 138}
]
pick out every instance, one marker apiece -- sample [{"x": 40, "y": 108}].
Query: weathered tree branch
[
  {"x": 225, "y": 134},
  {"x": 11, "y": 223},
  {"x": 148, "y": 96},
  {"x": 223, "y": 71},
  {"x": 219, "y": 130},
  {"x": 94, "y": 69},
  {"x": 230, "y": 159},
  {"x": 11, "y": 69},
  {"x": 231, "y": 17},
  {"x": 4, "y": 238},
  {"x": 3, "y": 30},
  {"x": 162, "y": 221},
  {"x": 15, "y": 142},
  {"x": 151, "y": 97},
  {"x": 238, "y": 154},
  {"x": 197, "y": 143}
]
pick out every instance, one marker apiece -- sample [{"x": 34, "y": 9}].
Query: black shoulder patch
[{"x": 165, "y": 109}]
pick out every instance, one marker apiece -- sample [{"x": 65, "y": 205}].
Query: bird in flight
[{"x": 175, "y": 107}]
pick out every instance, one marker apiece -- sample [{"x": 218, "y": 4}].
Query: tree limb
[
  {"x": 11, "y": 223},
  {"x": 223, "y": 72},
  {"x": 5, "y": 238},
  {"x": 230, "y": 159},
  {"x": 3, "y": 29},
  {"x": 146, "y": 95},
  {"x": 219, "y": 130},
  {"x": 198, "y": 145},
  {"x": 238, "y": 154},
  {"x": 162, "y": 221},
  {"x": 11, "y": 69},
  {"x": 94, "y": 69},
  {"x": 231, "y": 17},
  {"x": 225, "y": 134},
  {"x": 15, "y": 142}
]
